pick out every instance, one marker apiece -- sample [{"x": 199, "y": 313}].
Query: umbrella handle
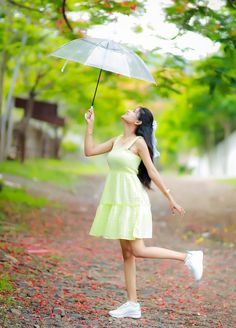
[{"x": 95, "y": 92}]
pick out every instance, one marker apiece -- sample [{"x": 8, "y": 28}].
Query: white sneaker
[
  {"x": 129, "y": 309},
  {"x": 194, "y": 261}
]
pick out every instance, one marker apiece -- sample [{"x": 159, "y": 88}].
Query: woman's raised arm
[{"x": 89, "y": 148}]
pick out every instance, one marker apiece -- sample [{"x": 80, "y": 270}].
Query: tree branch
[
  {"x": 12, "y": 2},
  {"x": 64, "y": 15},
  {"x": 39, "y": 76}
]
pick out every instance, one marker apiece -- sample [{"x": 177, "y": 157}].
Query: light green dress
[{"x": 124, "y": 211}]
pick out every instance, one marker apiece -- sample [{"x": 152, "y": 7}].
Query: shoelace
[{"x": 188, "y": 259}]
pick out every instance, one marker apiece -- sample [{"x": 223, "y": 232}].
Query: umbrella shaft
[{"x": 94, "y": 96}]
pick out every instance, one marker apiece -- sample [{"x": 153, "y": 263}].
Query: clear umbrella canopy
[{"x": 106, "y": 55}]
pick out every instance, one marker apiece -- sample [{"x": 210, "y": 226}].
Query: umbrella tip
[{"x": 64, "y": 66}]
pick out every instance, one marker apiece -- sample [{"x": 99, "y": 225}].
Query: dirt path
[{"x": 65, "y": 278}]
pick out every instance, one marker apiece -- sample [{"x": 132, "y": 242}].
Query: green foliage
[
  {"x": 45, "y": 27},
  {"x": 203, "y": 112},
  {"x": 183, "y": 169},
  {"x": 217, "y": 25},
  {"x": 200, "y": 17},
  {"x": 194, "y": 102},
  {"x": 195, "y": 119}
]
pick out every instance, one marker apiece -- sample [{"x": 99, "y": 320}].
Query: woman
[{"x": 124, "y": 210}]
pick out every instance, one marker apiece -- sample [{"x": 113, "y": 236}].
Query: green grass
[
  {"x": 2, "y": 216},
  {"x": 9, "y": 300},
  {"x": 63, "y": 173},
  {"x": 5, "y": 285},
  {"x": 14, "y": 204},
  {"x": 57, "y": 258},
  {"x": 18, "y": 196},
  {"x": 231, "y": 181},
  {"x": 5, "y": 288}
]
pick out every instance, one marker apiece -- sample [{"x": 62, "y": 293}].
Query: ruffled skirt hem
[
  {"x": 122, "y": 221},
  {"x": 120, "y": 237}
]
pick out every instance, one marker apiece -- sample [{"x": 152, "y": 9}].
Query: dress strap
[
  {"x": 117, "y": 138},
  {"x": 132, "y": 142}
]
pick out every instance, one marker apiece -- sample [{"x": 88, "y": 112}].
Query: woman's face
[{"x": 132, "y": 116}]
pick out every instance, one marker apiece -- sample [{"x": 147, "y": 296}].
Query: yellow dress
[{"x": 124, "y": 211}]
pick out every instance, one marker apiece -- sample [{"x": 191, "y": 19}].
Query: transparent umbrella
[{"x": 106, "y": 55}]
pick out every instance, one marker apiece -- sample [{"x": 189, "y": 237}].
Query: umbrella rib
[
  {"x": 127, "y": 66},
  {"x": 90, "y": 53},
  {"x": 96, "y": 44},
  {"x": 102, "y": 46}
]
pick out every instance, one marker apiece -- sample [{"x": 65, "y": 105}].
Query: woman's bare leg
[
  {"x": 140, "y": 250},
  {"x": 129, "y": 270}
]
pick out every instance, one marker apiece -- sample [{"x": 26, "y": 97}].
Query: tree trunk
[
  {"x": 25, "y": 121},
  {"x": 210, "y": 143},
  {"x": 9, "y": 104},
  {"x": 227, "y": 130},
  {"x": 9, "y": 131},
  {"x": 3, "y": 66},
  {"x": 24, "y": 126},
  {"x": 56, "y": 144},
  {"x": 2, "y": 72}
]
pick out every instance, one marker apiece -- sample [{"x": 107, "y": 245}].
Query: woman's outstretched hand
[
  {"x": 175, "y": 207},
  {"x": 89, "y": 116}
]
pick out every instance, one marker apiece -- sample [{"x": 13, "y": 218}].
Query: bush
[
  {"x": 69, "y": 147},
  {"x": 1, "y": 182},
  {"x": 183, "y": 169}
]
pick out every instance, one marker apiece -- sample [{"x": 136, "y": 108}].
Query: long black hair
[{"x": 145, "y": 130}]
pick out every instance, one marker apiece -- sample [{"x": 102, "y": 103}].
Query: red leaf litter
[{"x": 61, "y": 276}]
